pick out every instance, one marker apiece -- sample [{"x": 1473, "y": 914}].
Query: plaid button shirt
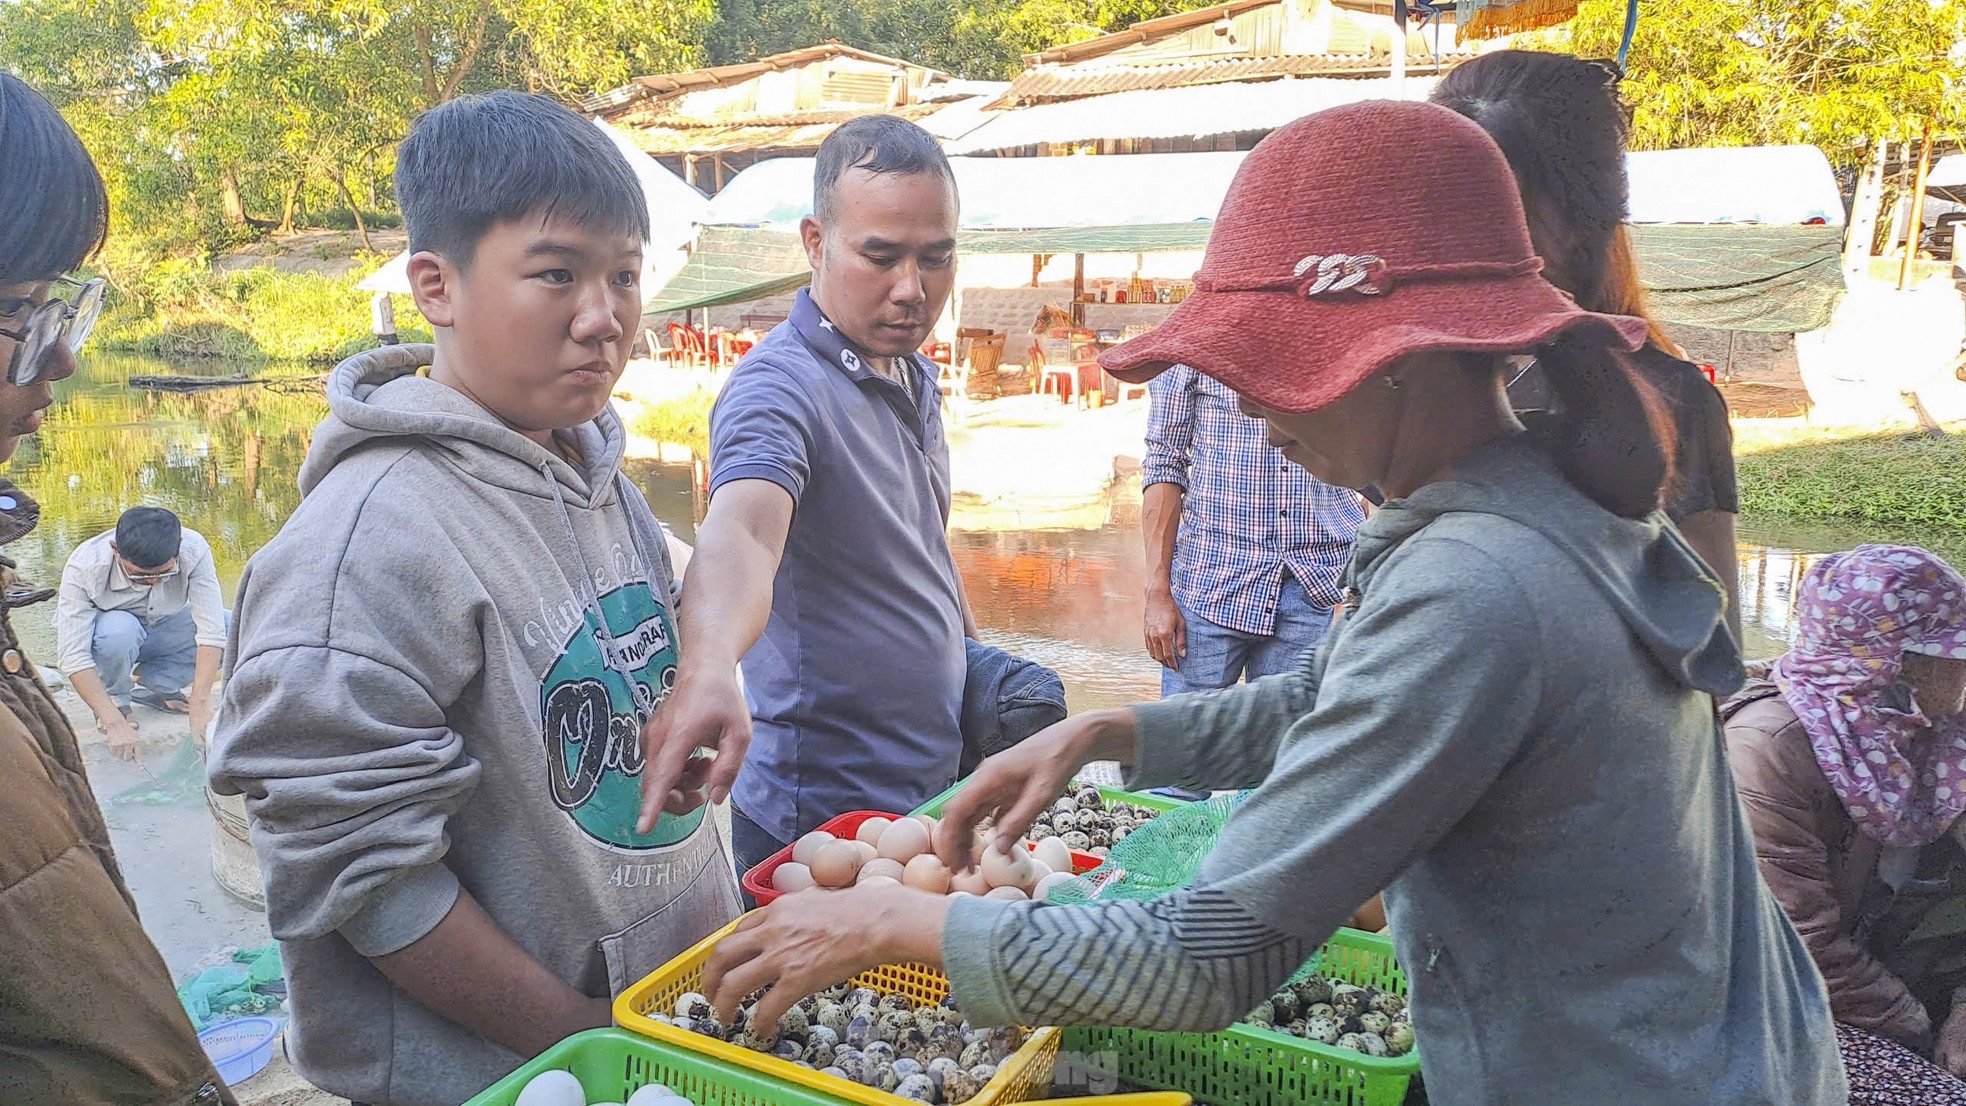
[{"x": 1248, "y": 514}]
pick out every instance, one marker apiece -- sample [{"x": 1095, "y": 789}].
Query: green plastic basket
[
  {"x": 612, "y": 1064},
  {"x": 1247, "y": 1066},
  {"x": 933, "y": 807}
]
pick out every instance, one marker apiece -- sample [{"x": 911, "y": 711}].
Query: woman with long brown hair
[{"x": 1559, "y": 121}]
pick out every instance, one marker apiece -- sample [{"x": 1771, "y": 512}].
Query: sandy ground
[{"x": 165, "y": 851}]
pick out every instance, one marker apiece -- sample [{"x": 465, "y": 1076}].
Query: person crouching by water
[
  {"x": 1850, "y": 755},
  {"x": 1511, "y": 729}
]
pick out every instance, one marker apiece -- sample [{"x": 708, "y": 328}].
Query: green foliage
[
  {"x": 977, "y": 38},
  {"x": 680, "y": 420},
  {"x": 1909, "y": 480},
  {"x": 181, "y": 308},
  {"x": 214, "y": 120},
  {"x": 1831, "y": 73}
]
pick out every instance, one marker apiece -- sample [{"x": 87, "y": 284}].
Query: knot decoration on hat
[{"x": 1353, "y": 237}]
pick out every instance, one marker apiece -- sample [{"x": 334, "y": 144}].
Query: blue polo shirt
[{"x": 856, "y": 686}]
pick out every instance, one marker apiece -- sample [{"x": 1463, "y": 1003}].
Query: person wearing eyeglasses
[
  {"x": 87, "y": 1009},
  {"x": 142, "y": 618}
]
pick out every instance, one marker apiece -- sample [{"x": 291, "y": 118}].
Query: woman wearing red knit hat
[{"x": 1511, "y": 730}]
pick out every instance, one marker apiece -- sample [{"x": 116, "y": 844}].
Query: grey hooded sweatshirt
[
  {"x": 440, "y": 670},
  {"x": 1512, "y": 733}
]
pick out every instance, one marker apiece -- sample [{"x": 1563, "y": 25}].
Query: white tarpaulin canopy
[
  {"x": 1947, "y": 178},
  {"x": 1746, "y": 184},
  {"x": 674, "y": 210},
  {"x": 1015, "y": 193}
]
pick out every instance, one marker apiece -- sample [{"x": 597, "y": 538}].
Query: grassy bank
[
  {"x": 183, "y": 309},
  {"x": 681, "y": 420},
  {"x": 1892, "y": 478}
]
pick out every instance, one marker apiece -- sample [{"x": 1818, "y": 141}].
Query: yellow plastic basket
[{"x": 1023, "y": 1076}]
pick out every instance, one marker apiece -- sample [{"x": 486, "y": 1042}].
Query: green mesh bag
[{"x": 1163, "y": 855}]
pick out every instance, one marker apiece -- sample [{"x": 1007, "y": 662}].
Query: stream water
[{"x": 225, "y": 461}]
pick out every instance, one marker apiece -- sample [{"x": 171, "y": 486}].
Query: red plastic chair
[{"x": 686, "y": 346}]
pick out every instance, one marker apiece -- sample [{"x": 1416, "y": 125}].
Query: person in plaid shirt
[{"x": 1244, "y": 548}]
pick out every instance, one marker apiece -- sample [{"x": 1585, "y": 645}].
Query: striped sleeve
[{"x": 1194, "y": 961}]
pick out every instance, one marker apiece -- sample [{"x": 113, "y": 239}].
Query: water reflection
[{"x": 226, "y": 462}]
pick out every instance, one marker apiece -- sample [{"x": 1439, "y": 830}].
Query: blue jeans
[
  {"x": 162, "y": 656},
  {"x": 1219, "y": 657},
  {"x": 750, "y": 845}
]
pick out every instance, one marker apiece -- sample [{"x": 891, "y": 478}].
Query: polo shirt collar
[{"x": 825, "y": 339}]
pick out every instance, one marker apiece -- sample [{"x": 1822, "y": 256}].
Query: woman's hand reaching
[{"x": 1016, "y": 785}]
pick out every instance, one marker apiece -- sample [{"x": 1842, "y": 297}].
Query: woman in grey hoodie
[{"x": 1510, "y": 731}]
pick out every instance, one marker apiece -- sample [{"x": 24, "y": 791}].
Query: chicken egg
[
  {"x": 1042, "y": 892},
  {"x": 865, "y": 851},
  {"x": 835, "y": 864},
  {"x": 1009, "y": 894},
  {"x": 903, "y": 841},
  {"x": 1055, "y": 855},
  {"x": 971, "y": 882},
  {"x": 1009, "y": 869},
  {"x": 881, "y": 868},
  {"x": 927, "y": 873},
  {"x": 870, "y": 831},
  {"x": 791, "y": 876},
  {"x": 809, "y": 844},
  {"x": 552, "y": 1088}
]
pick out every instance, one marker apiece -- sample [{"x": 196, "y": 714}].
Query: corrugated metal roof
[
  {"x": 660, "y": 133},
  {"x": 717, "y": 76},
  {"x": 1201, "y": 112},
  {"x": 1068, "y": 82}
]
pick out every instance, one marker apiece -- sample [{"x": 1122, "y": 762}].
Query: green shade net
[
  {"x": 742, "y": 264},
  {"x": 1161, "y": 856},
  {"x": 1765, "y": 279},
  {"x": 734, "y": 265}
]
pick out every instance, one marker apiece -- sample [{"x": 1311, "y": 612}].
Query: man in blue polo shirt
[{"x": 823, "y": 563}]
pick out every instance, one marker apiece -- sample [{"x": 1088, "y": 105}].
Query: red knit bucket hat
[{"x": 1351, "y": 238}]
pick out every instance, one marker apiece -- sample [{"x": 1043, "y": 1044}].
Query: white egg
[
  {"x": 866, "y": 852},
  {"x": 1011, "y": 894},
  {"x": 552, "y": 1088},
  {"x": 1055, "y": 855},
  {"x": 1042, "y": 892},
  {"x": 792, "y": 876},
  {"x": 650, "y": 1095},
  {"x": 809, "y": 844},
  {"x": 870, "y": 831},
  {"x": 929, "y": 822},
  {"x": 1009, "y": 869},
  {"x": 1039, "y": 870},
  {"x": 903, "y": 841}
]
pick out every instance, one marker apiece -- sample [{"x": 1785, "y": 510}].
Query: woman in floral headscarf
[{"x": 1851, "y": 758}]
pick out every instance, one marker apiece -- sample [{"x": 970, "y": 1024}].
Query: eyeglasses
[
  {"x": 147, "y": 578},
  {"x": 57, "y": 320}
]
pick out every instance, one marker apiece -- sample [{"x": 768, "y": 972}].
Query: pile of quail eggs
[
  {"x": 1087, "y": 823},
  {"x": 559, "y": 1088},
  {"x": 1363, "y": 1019},
  {"x": 927, "y": 1053}
]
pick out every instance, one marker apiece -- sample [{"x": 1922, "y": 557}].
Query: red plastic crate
[{"x": 757, "y": 881}]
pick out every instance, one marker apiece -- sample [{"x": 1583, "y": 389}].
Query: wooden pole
[
  {"x": 1857, "y": 245},
  {"x": 1917, "y": 207},
  {"x": 1078, "y": 291}
]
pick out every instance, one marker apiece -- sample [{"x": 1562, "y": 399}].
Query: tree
[
  {"x": 1837, "y": 74},
  {"x": 985, "y": 39}
]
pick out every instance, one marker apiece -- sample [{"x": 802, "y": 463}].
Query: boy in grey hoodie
[{"x": 443, "y": 663}]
